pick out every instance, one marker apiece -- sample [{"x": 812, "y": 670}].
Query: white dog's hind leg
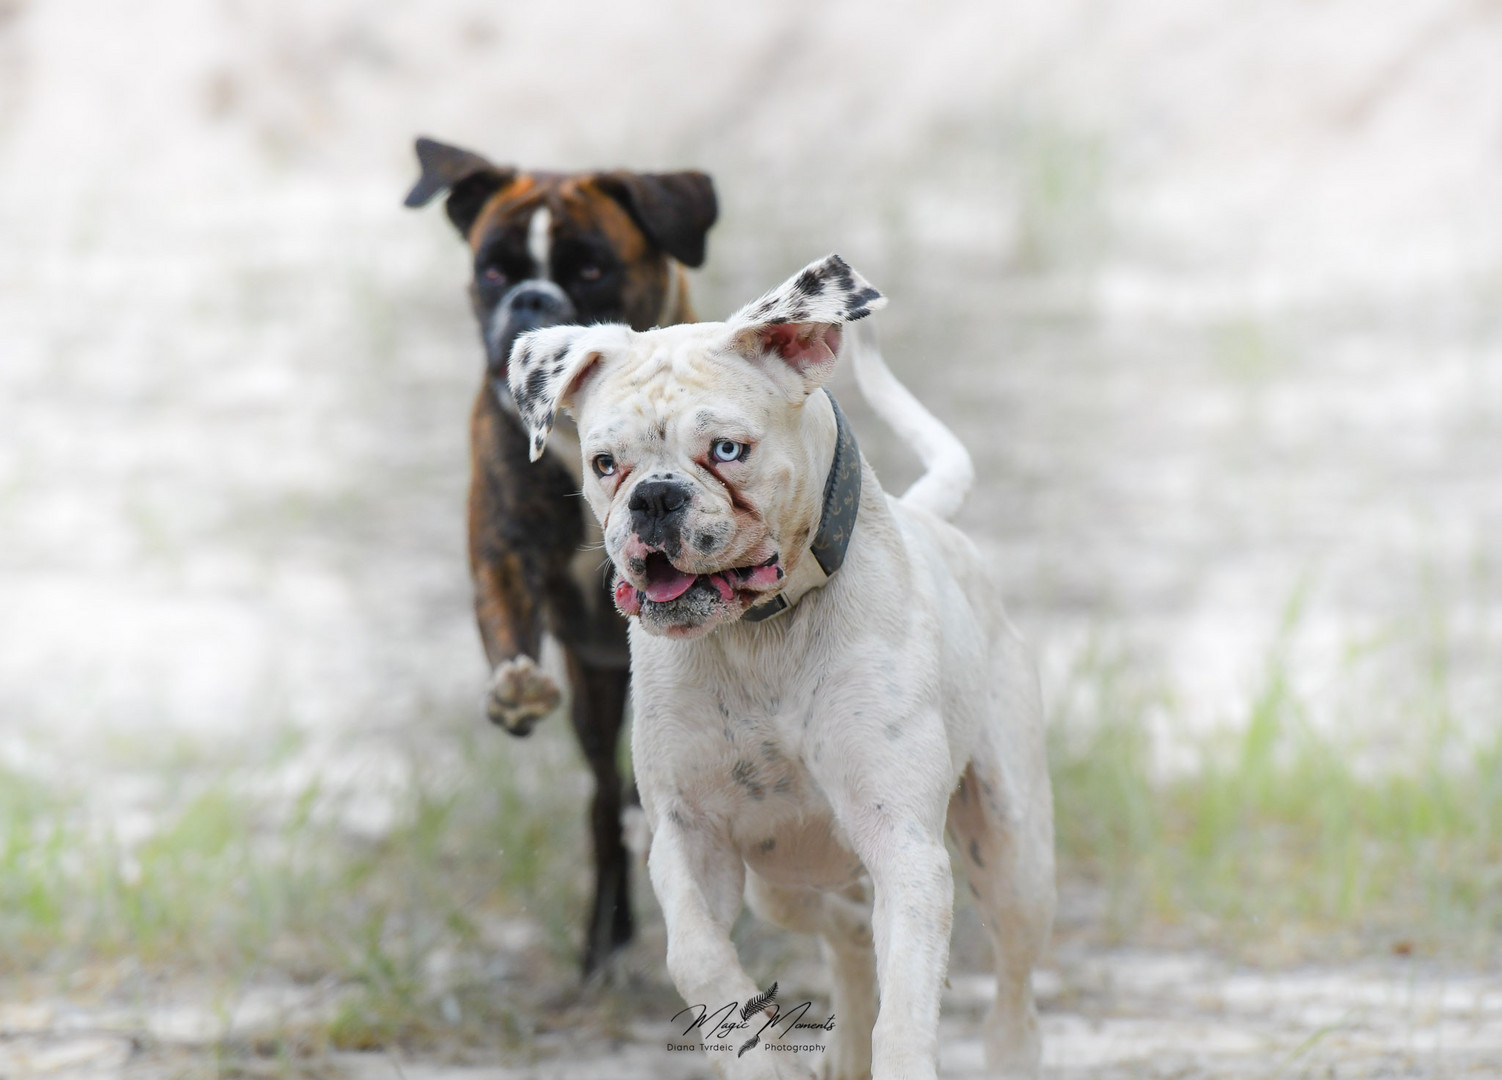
[
  {"x": 843, "y": 921},
  {"x": 1006, "y": 845}
]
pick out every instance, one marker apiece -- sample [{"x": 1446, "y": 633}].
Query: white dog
[{"x": 823, "y": 676}]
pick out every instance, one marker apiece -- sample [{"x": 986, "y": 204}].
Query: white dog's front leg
[
  {"x": 699, "y": 887},
  {"x": 698, "y": 883},
  {"x": 905, "y": 855},
  {"x": 910, "y": 923}
]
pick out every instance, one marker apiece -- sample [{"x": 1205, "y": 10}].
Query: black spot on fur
[
  {"x": 810, "y": 283},
  {"x": 677, "y": 819},
  {"x": 840, "y": 273},
  {"x": 770, "y": 751},
  {"x": 532, "y": 386},
  {"x": 744, "y": 774},
  {"x": 856, "y": 306},
  {"x": 784, "y": 785},
  {"x": 704, "y": 541},
  {"x": 768, "y": 844}
]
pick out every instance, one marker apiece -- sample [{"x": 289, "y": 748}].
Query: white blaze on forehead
[{"x": 540, "y": 238}]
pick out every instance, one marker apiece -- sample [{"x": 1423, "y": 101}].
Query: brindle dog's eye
[
  {"x": 590, "y": 272},
  {"x": 493, "y": 274},
  {"x": 604, "y": 465},
  {"x": 725, "y": 450}
]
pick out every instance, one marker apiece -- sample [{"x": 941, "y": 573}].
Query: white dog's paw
[
  {"x": 520, "y": 694},
  {"x": 840, "y": 1066}
]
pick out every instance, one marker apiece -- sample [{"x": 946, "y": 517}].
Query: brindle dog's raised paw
[{"x": 520, "y": 694}]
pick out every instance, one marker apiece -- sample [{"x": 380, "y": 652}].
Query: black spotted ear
[
  {"x": 800, "y": 321},
  {"x": 469, "y": 179},
  {"x": 675, "y": 210},
  {"x": 549, "y": 367}
]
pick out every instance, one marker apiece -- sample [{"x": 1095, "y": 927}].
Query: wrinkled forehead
[
  {"x": 679, "y": 382},
  {"x": 574, "y": 200}
]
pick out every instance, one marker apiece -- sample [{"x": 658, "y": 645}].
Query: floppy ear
[
  {"x": 469, "y": 178},
  {"x": 675, "y": 210},
  {"x": 799, "y": 322},
  {"x": 549, "y": 367}
]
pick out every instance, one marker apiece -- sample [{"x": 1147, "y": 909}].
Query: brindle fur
[{"x": 526, "y": 521}]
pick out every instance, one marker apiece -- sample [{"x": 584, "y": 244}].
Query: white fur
[
  {"x": 948, "y": 472},
  {"x": 540, "y": 239},
  {"x": 811, "y": 763}
]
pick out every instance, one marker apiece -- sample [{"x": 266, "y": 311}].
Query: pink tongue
[{"x": 668, "y": 583}]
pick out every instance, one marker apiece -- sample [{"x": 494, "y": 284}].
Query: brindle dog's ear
[
  {"x": 469, "y": 178},
  {"x": 800, "y": 321},
  {"x": 549, "y": 367},
  {"x": 675, "y": 210}
]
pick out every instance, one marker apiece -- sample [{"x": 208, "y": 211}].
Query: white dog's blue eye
[
  {"x": 604, "y": 465},
  {"x": 725, "y": 450}
]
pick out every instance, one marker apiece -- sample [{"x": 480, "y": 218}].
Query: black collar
[{"x": 842, "y": 500}]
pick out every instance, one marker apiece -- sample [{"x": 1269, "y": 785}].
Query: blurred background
[{"x": 1213, "y": 293}]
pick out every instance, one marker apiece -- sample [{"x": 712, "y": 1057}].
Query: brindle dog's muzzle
[{"x": 530, "y": 305}]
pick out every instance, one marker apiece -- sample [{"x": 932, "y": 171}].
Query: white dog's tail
[{"x": 947, "y": 469}]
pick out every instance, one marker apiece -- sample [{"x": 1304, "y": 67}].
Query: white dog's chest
[{"x": 774, "y": 813}]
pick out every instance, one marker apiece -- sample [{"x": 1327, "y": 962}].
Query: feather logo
[
  {"x": 759, "y": 1002},
  {"x": 753, "y": 1006}
]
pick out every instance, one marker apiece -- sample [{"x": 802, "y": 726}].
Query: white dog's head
[{"x": 698, "y": 450}]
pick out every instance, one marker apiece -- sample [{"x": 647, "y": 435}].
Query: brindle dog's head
[
  {"x": 705, "y": 447},
  {"x": 557, "y": 248}
]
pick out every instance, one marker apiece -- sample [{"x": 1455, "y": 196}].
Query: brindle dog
[{"x": 551, "y": 249}]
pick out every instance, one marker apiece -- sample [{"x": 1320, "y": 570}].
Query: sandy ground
[
  {"x": 1211, "y": 291},
  {"x": 1107, "y": 1012}
]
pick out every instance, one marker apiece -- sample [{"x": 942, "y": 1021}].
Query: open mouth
[{"x": 668, "y": 587}]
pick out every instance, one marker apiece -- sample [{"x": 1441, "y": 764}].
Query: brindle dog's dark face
[{"x": 559, "y": 248}]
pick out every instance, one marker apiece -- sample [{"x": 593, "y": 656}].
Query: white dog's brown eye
[
  {"x": 604, "y": 465},
  {"x": 725, "y": 450}
]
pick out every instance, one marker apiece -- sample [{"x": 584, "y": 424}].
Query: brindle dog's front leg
[
  {"x": 519, "y": 693},
  {"x": 522, "y": 527}
]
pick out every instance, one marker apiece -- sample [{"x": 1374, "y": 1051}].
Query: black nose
[
  {"x": 657, "y": 511},
  {"x": 538, "y": 305}
]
